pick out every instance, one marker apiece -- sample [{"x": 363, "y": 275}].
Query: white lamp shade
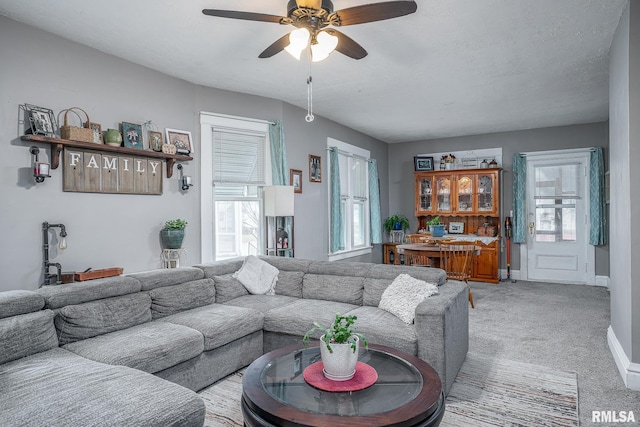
[
  {"x": 298, "y": 41},
  {"x": 326, "y": 44},
  {"x": 278, "y": 200}
]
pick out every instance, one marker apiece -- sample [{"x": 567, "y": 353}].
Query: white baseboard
[
  {"x": 515, "y": 275},
  {"x": 630, "y": 372}
]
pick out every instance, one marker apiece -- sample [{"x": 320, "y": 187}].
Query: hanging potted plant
[
  {"x": 173, "y": 233},
  {"x": 396, "y": 222},
  {"x": 338, "y": 347}
]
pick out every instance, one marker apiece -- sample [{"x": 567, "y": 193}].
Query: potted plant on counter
[
  {"x": 436, "y": 227},
  {"x": 173, "y": 233},
  {"x": 338, "y": 347},
  {"x": 396, "y": 222}
]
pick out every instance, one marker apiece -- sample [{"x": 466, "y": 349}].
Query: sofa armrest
[{"x": 442, "y": 327}]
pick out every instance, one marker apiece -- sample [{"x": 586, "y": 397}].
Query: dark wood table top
[{"x": 408, "y": 392}]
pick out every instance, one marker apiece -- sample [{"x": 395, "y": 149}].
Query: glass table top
[{"x": 399, "y": 382}]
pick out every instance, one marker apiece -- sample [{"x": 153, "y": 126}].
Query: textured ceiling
[{"x": 455, "y": 67}]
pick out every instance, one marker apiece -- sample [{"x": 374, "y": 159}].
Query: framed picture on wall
[
  {"x": 295, "y": 180},
  {"x": 41, "y": 120},
  {"x": 155, "y": 140},
  {"x": 97, "y": 132},
  {"x": 421, "y": 163},
  {"x": 181, "y": 139},
  {"x": 315, "y": 168}
]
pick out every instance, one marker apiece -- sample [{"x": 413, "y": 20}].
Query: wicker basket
[{"x": 73, "y": 132}]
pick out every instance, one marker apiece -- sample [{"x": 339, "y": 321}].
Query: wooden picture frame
[
  {"x": 155, "y": 140},
  {"x": 315, "y": 168},
  {"x": 295, "y": 180},
  {"x": 422, "y": 163},
  {"x": 181, "y": 139},
  {"x": 132, "y": 135},
  {"x": 97, "y": 132}
]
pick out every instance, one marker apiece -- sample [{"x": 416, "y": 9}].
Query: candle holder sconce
[{"x": 40, "y": 169}]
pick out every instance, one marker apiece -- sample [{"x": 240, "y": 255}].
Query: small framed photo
[
  {"x": 181, "y": 139},
  {"x": 41, "y": 120},
  {"x": 97, "y": 132},
  {"x": 422, "y": 163},
  {"x": 315, "y": 168},
  {"x": 132, "y": 135},
  {"x": 295, "y": 180},
  {"x": 155, "y": 140}
]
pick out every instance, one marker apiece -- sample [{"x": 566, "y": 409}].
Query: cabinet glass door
[
  {"x": 485, "y": 193},
  {"x": 465, "y": 193},
  {"x": 426, "y": 194},
  {"x": 443, "y": 190}
]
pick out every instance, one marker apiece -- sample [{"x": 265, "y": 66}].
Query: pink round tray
[{"x": 364, "y": 377}]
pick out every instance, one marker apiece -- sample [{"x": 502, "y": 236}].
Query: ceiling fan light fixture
[
  {"x": 298, "y": 41},
  {"x": 326, "y": 43}
]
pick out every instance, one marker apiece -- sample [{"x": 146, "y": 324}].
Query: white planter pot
[{"x": 341, "y": 364}]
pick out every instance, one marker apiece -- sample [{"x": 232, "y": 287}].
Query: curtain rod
[
  {"x": 247, "y": 119},
  {"x": 565, "y": 151}
]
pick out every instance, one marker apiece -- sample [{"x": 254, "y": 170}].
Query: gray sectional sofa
[{"x": 132, "y": 350}]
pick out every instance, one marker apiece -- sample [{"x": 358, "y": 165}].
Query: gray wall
[
  {"x": 401, "y": 183},
  {"x": 108, "y": 230},
  {"x": 624, "y": 111}
]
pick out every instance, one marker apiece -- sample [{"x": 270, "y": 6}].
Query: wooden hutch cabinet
[{"x": 469, "y": 196}]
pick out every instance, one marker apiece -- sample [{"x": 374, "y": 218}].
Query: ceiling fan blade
[
  {"x": 248, "y": 16},
  {"x": 375, "y": 12},
  {"x": 311, "y": 4},
  {"x": 347, "y": 46},
  {"x": 275, "y": 47}
]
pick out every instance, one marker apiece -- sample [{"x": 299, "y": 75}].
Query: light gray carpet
[{"x": 487, "y": 392}]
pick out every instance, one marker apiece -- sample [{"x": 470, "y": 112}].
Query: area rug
[{"x": 486, "y": 392}]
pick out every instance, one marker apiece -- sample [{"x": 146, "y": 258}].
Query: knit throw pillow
[
  {"x": 257, "y": 276},
  {"x": 404, "y": 294}
]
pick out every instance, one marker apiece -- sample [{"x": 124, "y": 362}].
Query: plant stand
[{"x": 171, "y": 257}]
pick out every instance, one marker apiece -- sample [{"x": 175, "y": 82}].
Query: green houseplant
[
  {"x": 396, "y": 222},
  {"x": 173, "y": 233},
  {"x": 338, "y": 347},
  {"x": 436, "y": 227}
]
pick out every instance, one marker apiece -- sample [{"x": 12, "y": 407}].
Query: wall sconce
[
  {"x": 185, "y": 180},
  {"x": 40, "y": 169}
]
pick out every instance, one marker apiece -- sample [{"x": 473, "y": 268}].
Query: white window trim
[
  {"x": 207, "y": 211},
  {"x": 349, "y": 253}
]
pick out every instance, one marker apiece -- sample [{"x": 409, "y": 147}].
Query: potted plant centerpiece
[
  {"x": 396, "y": 222},
  {"x": 436, "y": 227},
  {"x": 173, "y": 233},
  {"x": 338, "y": 347}
]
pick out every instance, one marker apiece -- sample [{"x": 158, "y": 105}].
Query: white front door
[{"x": 558, "y": 247}]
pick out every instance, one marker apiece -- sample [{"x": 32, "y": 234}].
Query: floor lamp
[{"x": 278, "y": 211}]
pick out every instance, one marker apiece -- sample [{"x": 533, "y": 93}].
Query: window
[
  {"x": 234, "y": 159},
  {"x": 354, "y": 191}
]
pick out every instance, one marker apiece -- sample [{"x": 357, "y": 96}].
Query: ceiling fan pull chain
[{"x": 309, "y": 117}]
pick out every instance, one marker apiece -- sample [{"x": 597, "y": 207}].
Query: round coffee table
[{"x": 408, "y": 392}]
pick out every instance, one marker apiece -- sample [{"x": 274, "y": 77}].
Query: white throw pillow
[
  {"x": 259, "y": 277},
  {"x": 404, "y": 294}
]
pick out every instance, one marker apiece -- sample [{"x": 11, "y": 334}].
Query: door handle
[{"x": 532, "y": 226}]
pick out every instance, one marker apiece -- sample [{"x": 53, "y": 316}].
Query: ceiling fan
[{"x": 312, "y": 19}]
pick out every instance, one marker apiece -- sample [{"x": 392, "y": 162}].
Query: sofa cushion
[
  {"x": 90, "y": 290},
  {"x": 228, "y": 288},
  {"x": 173, "y": 299},
  {"x": 167, "y": 277},
  {"x": 64, "y": 390},
  {"x": 221, "y": 268},
  {"x": 340, "y": 268},
  {"x": 26, "y": 334},
  {"x": 297, "y": 317},
  {"x": 390, "y": 272},
  {"x": 329, "y": 287},
  {"x": 289, "y": 283},
  {"x": 257, "y": 276},
  {"x": 220, "y": 324},
  {"x": 287, "y": 264},
  {"x": 150, "y": 347},
  {"x": 77, "y": 322},
  {"x": 382, "y": 327},
  {"x": 17, "y": 302},
  {"x": 403, "y": 296},
  {"x": 261, "y": 303}
]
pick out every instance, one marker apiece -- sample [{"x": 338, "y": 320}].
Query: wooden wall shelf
[{"x": 57, "y": 145}]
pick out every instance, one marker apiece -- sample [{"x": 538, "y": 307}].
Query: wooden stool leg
[{"x": 470, "y": 296}]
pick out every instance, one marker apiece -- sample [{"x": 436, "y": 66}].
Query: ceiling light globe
[
  {"x": 298, "y": 40},
  {"x": 326, "y": 44}
]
